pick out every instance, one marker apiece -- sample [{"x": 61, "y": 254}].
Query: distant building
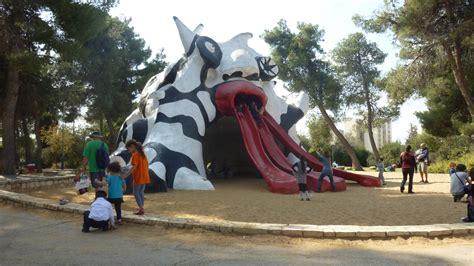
[{"x": 359, "y": 135}]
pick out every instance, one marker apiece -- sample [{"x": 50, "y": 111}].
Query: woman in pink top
[{"x": 408, "y": 162}]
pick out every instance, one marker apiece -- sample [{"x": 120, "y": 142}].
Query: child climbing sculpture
[{"x": 326, "y": 171}]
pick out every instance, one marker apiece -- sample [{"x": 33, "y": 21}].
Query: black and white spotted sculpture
[{"x": 178, "y": 105}]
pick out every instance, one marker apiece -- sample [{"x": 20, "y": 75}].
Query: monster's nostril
[{"x": 236, "y": 74}]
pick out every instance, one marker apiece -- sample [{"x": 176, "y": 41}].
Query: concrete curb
[
  {"x": 293, "y": 230},
  {"x": 31, "y": 182}
]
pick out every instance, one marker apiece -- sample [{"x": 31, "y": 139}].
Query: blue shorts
[{"x": 97, "y": 176}]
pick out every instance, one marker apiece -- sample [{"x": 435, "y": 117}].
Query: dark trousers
[
  {"x": 328, "y": 173},
  {"x": 407, "y": 172},
  {"x": 88, "y": 223},
  {"x": 118, "y": 206}
]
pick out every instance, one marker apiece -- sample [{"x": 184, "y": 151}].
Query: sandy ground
[{"x": 247, "y": 199}]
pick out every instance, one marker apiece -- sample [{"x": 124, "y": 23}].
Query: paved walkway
[{"x": 29, "y": 236}]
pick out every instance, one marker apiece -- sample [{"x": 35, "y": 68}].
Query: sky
[{"x": 153, "y": 21}]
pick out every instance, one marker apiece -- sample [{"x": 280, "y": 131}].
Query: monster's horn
[
  {"x": 242, "y": 37},
  {"x": 185, "y": 34},
  {"x": 198, "y": 29}
]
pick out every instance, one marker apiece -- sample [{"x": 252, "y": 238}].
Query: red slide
[
  {"x": 277, "y": 180},
  {"x": 280, "y": 160},
  {"x": 279, "y": 132}
]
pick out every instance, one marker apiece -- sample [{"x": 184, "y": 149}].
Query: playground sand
[{"x": 247, "y": 199}]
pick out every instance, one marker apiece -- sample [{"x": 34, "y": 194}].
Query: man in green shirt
[{"x": 89, "y": 158}]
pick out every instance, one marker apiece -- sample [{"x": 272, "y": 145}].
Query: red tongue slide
[
  {"x": 270, "y": 161},
  {"x": 277, "y": 156},
  {"x": 364, "y": 180}
]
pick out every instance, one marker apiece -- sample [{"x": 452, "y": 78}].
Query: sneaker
[
  {"x": 384, "y": 184},
  {"x": 119, "y": 221},
  {"x": 85, "y": 230},
  {"x": 140, "y": 212},
  {"x": 427, "y": 182},
  {"x": 411, "y": 192},
  {"x": 301, "y": 199},
  {"x": 466, "y": 220},
  {"x": 308, "y": 199},
  {"x": 63, "y": 201}
]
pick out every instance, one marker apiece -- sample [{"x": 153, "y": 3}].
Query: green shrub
[
  {"x": 432, "y": 142},
  {"x": 441, "y": 166},
  {"x": 453, "y": 147},
  {"x": 342, "y": 158},
  {"x": 390, "y": 153},
  {"x": 467, "y": 129}
]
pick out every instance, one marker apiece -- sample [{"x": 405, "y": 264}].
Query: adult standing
[
  {"x": 407, "y": 161},
  {"x": 89, "y": 158},
  {"x": 326, "y": 171},
  {"x": 140, "y": 173},
  {"x": 423, "y": 159}
]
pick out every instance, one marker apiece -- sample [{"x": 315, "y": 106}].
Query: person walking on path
[
  {"x": 423, "y": 158},
  {"x": 300, "y": 170},
  {"x": 90, "y": 159},
  {"x": 326, "y": 171},
  {"x": 140, "y": 173},
  {"x": 407, "y": 160},
  {"x": 381, "y": 168}
]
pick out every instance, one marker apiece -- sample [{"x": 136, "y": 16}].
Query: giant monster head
[{"x": 212, "y": 80}]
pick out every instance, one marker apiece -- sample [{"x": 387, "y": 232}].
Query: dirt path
[{"x": 38, "y": 237}]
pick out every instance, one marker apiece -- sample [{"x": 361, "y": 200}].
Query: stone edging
[
  {"x": 293, "y": 230},
  {"x": 36, "y": 182}
]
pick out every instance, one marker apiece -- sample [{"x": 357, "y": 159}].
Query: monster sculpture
[{"x": 178, "y": 105}]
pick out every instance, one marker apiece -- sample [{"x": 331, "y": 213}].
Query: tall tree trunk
[
  {"x": 39, "y": 146},
  {"x": 8, "y": 120},
  {"x": 370, "y": 120},
  {"x": 458, "y": 72},
  {"x": 112, "y": 136},
  {"x": 455, "y": 59},
  {"x": 101, "y": 124},
  {"x": 26, "y": 140},
  {"x": 355, "y": 161}
]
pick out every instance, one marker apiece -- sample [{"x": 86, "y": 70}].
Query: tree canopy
[
  {"x": 436, "y": 40},
  {"x": 302, "y": 65}
]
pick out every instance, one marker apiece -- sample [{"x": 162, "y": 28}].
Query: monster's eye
[
  {"x": 209, "y": 50},
  {"x": 210, "y": 47},
  {"x": 268, "y": 68}
]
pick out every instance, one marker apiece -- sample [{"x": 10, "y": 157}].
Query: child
[
  {"x": 117, "y": 187},
  {"x": 452, "y": 168},
  {"x": 381, "y": 167},
  {"x": 300, "y": 169},
  {"x": 140, "y": 174},
  {"x": 100, "y": 214}
]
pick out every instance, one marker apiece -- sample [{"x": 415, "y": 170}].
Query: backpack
[{"x": 102, "y": 157}]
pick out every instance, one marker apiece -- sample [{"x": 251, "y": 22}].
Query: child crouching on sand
[{"x": 100, "y": 214}]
